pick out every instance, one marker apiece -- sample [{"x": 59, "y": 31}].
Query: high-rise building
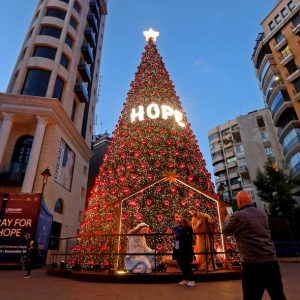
[
  {"x": 47, "y": 112},
  {"x": 276, "y": 59},
  {"x": 239, "y": 148},
  {"x": 99, "y": 148}
]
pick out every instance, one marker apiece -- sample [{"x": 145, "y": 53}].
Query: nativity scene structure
[{"x": 152, "y": 173}]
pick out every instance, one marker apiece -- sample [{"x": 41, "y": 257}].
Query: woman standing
[
  {"x": 29, "y": 259},
  {"x": 185, "y": 255}
]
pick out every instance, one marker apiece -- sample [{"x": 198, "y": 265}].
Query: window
[
  {"x": 296, "y": 20},
  {"x": 51, "y": 31},
  {"x": 69, "y": 41},
  {"x": 278, "y": 100},
  {"x": 242, "y": 162},
  {"x": 240, "y": 150},
  {"x": 264, "y": 135},
  {"x": 58, "y": 88},
  {"x": 44, "y": 51},
  {"x": 284, "y": 12},
  {"x": 20, "y": 158},
  {"x": 277, "y": 19},
  {"x": 260, "y": 121},
  {"x": 297, "y": 85},
  {"x": 36, "y": 82},
  {"x": 231, "y": 159},
  {"x": 73, "y": 112},
  {"x": 269, "y": 151},
  {"x": 73, "y": 23},
  {"x": 291, "y": 5},
  {"x": 285, "y": 52},
  {"x": 215, "y": 146},
  {"x": 226, "y": 196},
  {"x": 59, "y": 207},
  {"x": 295, "y": 163},
  {"x": 64, "y": 61},
  {"x": 270, "y": 87},
  {"x": 235, "y": 181},
  {"x": 271, "y": 25},
  {"x": 291, "y": 138},
  {"x": 57, "y": 13},
  {"x": 225, "y": 132},
  {"x": 214, "y": 136},
  {"x": 221, "y": 164},
  {"x": 278, "y": 38},
  {"x": 291, "y": 67},
  {"x": 77, "y": 7}
]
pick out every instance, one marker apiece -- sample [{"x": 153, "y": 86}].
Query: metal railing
[{"x": 70, "y": 255}]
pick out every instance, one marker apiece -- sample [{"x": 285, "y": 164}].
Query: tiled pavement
[{"x": 44, "y": 287}]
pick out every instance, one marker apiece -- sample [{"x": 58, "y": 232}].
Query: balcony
[
  {"x": 283, "y": 130},
  {"x": 95, "y": 8},
  {"x": 84, "y": 71},
  {"x": 221, "y": 179},
  {"x": 296, "y": 95},
  {"x": 215, "y": 149},
  {"x": 92, "y": 21},
  {"x": 295, "y": 172},
  {"x": 291, "y": 145},
  {"x": 284, "y": 59},
  {"x": 87, "y": 53},
  {"x": 90, "y": 37},
  {"x": 81, "y": 92},
  {"x": 219, "y": 169},
  {"x": 280, "y": 44},
  {"x": 293, "y": 76},
  {"x": 232, "y": 164},
  {"x": 233, "y": 175},
  {"x": 243, "y": 169},
  {"x": 296, "y": 25},
  {"x": 285, "y": 107},
  {"x": 236, "y": 186},
  {"x": 229, "y": 153},
  {"x": 217, "y": 158}
]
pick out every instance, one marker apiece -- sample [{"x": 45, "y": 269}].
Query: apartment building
[
  {"x": 276, "y": 59},
  {"x": 47, "y": 112},
  {"x": 238, "y": 149}
]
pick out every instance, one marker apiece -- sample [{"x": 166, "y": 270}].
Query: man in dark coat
[{"x": 259, "y": 263}]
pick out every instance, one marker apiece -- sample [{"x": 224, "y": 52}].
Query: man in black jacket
[{"x": 259, "y": 263}]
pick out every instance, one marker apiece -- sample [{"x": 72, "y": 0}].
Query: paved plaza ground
[{"x": 44, "y": 287}]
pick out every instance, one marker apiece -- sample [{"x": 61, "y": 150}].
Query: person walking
[
  {"x": 29, "y": 258},
  {"x": 260, "y": 269},
  {"x": 185, "y": 253}
]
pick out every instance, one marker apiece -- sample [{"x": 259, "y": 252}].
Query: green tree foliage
[{"x": 275, "y": 188}]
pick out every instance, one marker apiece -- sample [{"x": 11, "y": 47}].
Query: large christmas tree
[{"x": 153, "y": 170}]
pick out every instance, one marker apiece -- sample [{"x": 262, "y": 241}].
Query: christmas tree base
[{"x": 154, "y": 277}]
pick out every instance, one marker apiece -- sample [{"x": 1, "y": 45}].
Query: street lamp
[{"x": 46, "y": 174}]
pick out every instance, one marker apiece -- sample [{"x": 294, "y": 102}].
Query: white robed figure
[{"x": 137, "y": 244}]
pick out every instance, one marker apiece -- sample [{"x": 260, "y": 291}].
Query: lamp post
[{"x": 46, "y": 174}]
